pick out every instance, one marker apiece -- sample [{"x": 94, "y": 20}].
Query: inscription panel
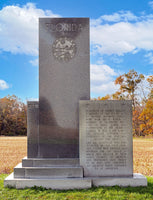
[
  {"x": 64, "y": 26},
  {"x": 106, "y": 138}
]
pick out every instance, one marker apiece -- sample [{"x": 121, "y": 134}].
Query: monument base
[
  {"x": 75, "y": 183},
  {"x": 63, "y": 174},
  {"x": 56, "y": 184},
  {"x": 134, "y": 181}
]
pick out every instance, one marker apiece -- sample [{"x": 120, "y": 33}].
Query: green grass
[{"x": 104, "y": 193}]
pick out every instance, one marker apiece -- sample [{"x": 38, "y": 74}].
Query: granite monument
[{"x": 73, "y": 142}]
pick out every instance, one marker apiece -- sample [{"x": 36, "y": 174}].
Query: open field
[
  {"x": 13, "y": 149},
  {"x": 143, "y": 156}
]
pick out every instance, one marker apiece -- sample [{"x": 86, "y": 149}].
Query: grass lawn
[{"x": 114, "y": 193}]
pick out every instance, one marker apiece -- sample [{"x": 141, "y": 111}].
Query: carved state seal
[{"x": 64, "y": 49}]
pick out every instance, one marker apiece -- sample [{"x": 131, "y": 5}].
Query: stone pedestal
[
  {"x": 106, "y": 152},
  {"x": 49, "y": 173},
  {"x": 63, "y": 178}
]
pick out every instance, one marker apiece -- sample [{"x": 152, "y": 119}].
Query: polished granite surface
[{"x": 64, "y": 79}]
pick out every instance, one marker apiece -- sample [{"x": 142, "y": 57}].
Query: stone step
[
  {"x": 47, "y": 172},
  {"x": 75, "y": 183},
  {"x": 57, "y": 184},
  {"x": 44, "y": 162}
]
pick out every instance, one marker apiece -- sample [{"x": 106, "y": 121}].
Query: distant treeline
[
  {"x": 13, "y": 116},
  {"x": 13, "y": 112}
]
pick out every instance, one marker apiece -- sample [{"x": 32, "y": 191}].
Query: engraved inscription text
[
  {"x": 66, "y": 27},
  {"x": 106, "y": 138}
]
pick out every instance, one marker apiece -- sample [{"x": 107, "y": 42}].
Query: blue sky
[{"x": 121, "y": 38}]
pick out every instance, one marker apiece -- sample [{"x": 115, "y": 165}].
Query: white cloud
[
  {"x": 116, "y": 59},
  {"x": 115, "y": 17},
  {"x": 104, "y": 89},
  {"x": 150, "y": 4},
  {"x": 102, "y": 79},
  {"x": 33, "y": 99},
  {"x": 124, "y": 36},
  {"x": 149, "y": 56},
  {"x": 118, "y": 34},
  {"x": 34, "y": 62},
  {"x": 19, "y": 28},
  {"x": 3, "y": 85}
]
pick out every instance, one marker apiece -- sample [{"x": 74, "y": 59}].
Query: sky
[{"x": 121, "y": 39}]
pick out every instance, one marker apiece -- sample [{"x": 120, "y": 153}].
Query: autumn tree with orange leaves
[
  {"x": 128, "y": 83},
  {"x": 146, "y": 115},
  {"x": 142, "y": 108},
  {"x": 13, "y": 114}
]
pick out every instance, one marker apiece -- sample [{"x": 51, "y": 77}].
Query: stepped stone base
[
  {"x": 47, "y": 172},
  {"x": 63, "y": 174},
  {"x": 75, "y": 183},
  {"x": 134, "y": 181},
  {"x": 40, "y": 162},
  {"x": 58, "y": 184}
]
